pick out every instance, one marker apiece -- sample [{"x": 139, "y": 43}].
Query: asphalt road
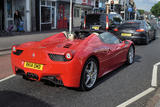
[{"x": 111, "y": 90}]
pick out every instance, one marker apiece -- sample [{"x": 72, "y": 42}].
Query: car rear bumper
[
  {"x": 138, "y": 38},
  {"x": 62, "y": 73}
]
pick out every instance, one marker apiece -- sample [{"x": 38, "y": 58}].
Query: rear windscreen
[
  {"x": 96, "y": 19},
  {"x": 93, "y": 19},
  {"x": 130, "y": 25}
]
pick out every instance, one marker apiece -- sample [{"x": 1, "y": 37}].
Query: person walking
[{"x": 17, "y": 19}]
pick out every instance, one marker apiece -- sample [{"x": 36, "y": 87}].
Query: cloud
[{"x": 145, "y": 4}]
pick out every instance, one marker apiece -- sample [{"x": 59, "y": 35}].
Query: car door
[
  {"x": 114, "y": 53},
  {"x": 119, "y": 51}
]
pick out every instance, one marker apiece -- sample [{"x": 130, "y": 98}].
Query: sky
[{"x": 145, "y": 4}]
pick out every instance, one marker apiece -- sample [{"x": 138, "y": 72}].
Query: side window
[
  {"x": 147, "y": 26},
  {"x": 109, "y": 38}
]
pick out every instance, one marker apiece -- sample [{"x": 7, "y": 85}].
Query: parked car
[
  {"x": 138, "y": 31},
  {"x": 72, "y": 62},
  {"x": 101, "y": 21}
]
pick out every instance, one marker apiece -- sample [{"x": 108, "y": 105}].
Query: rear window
[
  {"x": 130, "y": 25},
  {"x": 91, "y": 19},
  {"x": 95, "y": 19}
]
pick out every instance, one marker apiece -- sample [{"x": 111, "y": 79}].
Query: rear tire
[
  {"x": 154, "y": 36},
  {"x": 147, "y": 40},
  {"x": 131, "y": 55},
  {"x": 89, "y": 75}
]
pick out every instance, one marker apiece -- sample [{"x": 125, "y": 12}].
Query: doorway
[
  {"x": 62, "y": 20},
  {"x": 1, "y": 15}
]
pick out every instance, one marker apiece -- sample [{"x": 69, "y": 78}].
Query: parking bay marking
[
  {"x": 137, "y": 97},
  {"x": 128, "y": 102},
  {"x": 9, "y": 77},
  {"x": 146, "y": 92}
]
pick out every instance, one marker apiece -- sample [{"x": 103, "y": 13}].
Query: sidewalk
[
  {"x": 6, "y": 42},
  {"x": 155, "y": 100}
]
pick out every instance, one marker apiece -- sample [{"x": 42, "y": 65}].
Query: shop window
[
  {"x": 45, "y": 15},
  {"x": 43, "y": 2},
  {"x": 76, "y": 12},
  {"x": 9, "y": 8},
  {"x": 53, "y": 4},
  {"x": 49, "y": 3}
]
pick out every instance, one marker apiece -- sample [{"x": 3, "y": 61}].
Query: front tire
[
  {"x": 89, "y": 75},
  {"x": 131, "y": 55}
]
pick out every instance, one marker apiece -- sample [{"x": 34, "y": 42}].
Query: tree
[
  {"x": 141, "y": 12},
  {"x": 156, "y": 9}
]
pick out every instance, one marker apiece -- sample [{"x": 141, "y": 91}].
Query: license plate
[
  {"x": 33, "y": 66},
  {"x": 95, "y": 27},
  {"x": 126, "y": 34}
]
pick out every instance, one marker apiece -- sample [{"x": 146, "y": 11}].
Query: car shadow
[
  {"x": 137, "y": 58},
  {"x": 113, "y": 73},
  {"x": 100, "y": 80},
  {"x": 110, "y": 75},
  {"x": 15, "y": 99}
]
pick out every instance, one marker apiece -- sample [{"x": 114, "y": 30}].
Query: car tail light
[
  {"x": 84, "y": 23},
  {"x": 16, "y": 51},
  {"x": 14, "y": 48},
  {"x": 107, "y": 23},
  {"x": 140, "y": 30},
  {"x": 116, "y": 30},
  {"x": 68, "y": 55}
]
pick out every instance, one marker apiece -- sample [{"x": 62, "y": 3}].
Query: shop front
[
  {"x": 1, "y": 15},
  {"x": 23, "y": 6},
  {"x": 47, "y": 15}
]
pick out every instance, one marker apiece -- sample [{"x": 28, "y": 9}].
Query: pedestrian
[{"x": 17, "y": 19}]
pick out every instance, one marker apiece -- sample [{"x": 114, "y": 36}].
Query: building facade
[
  {"x": 7, "y": 10},
  {"x": 40, "y": 15},
  {"x": 80, "y": 9}
]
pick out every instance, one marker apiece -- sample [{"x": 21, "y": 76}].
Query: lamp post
[
  {"x": 124, "y": 9},
  {"x": 70, "y": 18}
]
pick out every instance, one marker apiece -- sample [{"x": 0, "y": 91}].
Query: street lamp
[
  {"x": 124, "y": 9},
  {"x": 70, "y": 18}
]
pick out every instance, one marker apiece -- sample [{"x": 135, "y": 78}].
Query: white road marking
[
  {"x": 153, "y": 84},
  {"x": 5, "y": 52},
  {"x": 154, "y": 75},
  {"x": 11, "y": 76},
  {"x": 137, "y": 97}
]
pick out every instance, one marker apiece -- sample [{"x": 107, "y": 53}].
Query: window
[
  {"x": 45, "y": 15},
  {"x": 9, "y": 8},
  {"x": 43, "y": 2},
  {"x": 109, "y": 38},
  {"x": 76, "y": 12},
  {"x": 53, "y": 4}
]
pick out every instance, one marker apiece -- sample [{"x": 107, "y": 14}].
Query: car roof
[{"x": 135, "y": 21}]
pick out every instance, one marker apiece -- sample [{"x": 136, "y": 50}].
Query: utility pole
[
  {"x": 70, "y": 18},
  {"x": 124, "y": 9},
  {"x": 107, "y": 6},
  {"x": 135, "y": 14}
]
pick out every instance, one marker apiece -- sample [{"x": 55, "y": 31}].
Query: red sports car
[{"x": 72, "y": 60}]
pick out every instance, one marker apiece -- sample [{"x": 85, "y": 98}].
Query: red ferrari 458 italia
[{"x": 72, "y": 60}]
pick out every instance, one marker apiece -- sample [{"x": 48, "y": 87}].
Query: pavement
[
  {"x": 111, "y": 90},
  {"x": 6, "y": 42}
]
